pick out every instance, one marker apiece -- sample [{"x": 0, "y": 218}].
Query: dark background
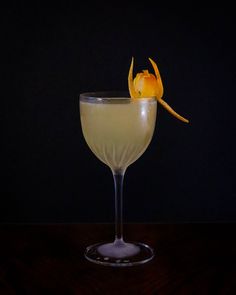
[{"x": 51, "y": 54}]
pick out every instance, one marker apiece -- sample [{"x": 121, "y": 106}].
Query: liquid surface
[{"x": 118, "y": 133}]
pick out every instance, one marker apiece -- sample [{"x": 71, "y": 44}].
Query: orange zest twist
[{"x": 146, "y": 84}]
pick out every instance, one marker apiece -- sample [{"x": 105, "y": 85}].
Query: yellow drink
[{"x": 118, "y": 131}]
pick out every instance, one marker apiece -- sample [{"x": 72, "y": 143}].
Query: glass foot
[{"x": 119, "y": 253}]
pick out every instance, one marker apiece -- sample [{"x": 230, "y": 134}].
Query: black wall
[{"x": 51, "y": 54}]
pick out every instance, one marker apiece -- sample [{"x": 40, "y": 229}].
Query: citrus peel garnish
[{"x": 146, "y": 84}]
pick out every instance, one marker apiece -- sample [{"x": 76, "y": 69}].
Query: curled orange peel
[{"x": 147, "y": 85}]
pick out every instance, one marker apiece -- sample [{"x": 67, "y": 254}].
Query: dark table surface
[{"x": 48, "y": 259}]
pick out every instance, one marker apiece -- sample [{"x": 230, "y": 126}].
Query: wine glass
[{"x": 118, "y": 130}]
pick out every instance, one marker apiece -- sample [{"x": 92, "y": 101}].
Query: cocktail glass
[{"x": 118, "y": 130}]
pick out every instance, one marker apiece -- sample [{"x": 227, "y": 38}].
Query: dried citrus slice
[{"x": 146, "y": 84}]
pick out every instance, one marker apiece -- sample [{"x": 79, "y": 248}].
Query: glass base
[{"x": 119, "y": 253}]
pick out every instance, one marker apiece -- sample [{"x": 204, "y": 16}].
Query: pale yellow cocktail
[{"x": 118, "y": 130}]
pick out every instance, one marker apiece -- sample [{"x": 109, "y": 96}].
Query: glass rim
[{"x": 106, "y": 96}]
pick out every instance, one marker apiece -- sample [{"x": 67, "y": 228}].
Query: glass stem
[{"x": 118, "y": 177}]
